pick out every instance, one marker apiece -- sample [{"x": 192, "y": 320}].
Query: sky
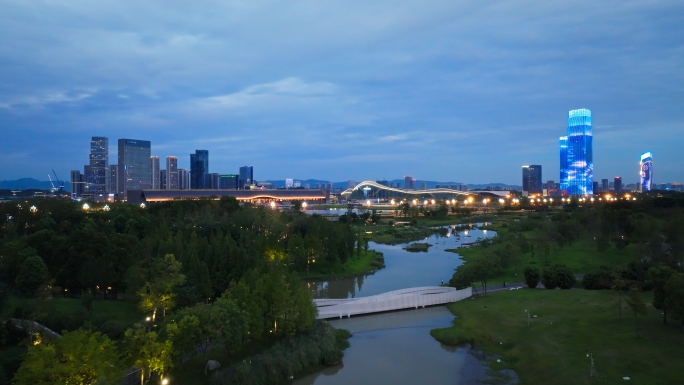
[{"x": 462, "y": 91}]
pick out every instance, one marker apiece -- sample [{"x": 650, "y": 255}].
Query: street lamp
[
  {"x": 165, "y": 381},
  {"x": 33, "y": 209},
  {"x": 591, "y": 367},
  {"x": 528, "y": 317},
  {"x": 273, "y": 205},
  {"x": 106, "y": 208},
  {"x": 142, "y": 206},
  {"x": 86, "y": 207},
  {"x": 304, "y": 205}
]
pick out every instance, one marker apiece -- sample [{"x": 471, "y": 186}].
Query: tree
[
  {"x": 674, "y": 289},
  {"x": 485, "y": 268},
  {"x": 531, "y": 277},
  {"x": 33, "y": 273},
  {"x": 659, "y": 275},
  {"x": 146, "y": 352},
  {"x": 548, "y": 279},
  {"x": 79, "y": 357},
  {"x": 163, "y": 276},
  {"x": 185, "y": 335},
  {"x": 563, "y": 276},
  {"x": 637, "y": 305}
]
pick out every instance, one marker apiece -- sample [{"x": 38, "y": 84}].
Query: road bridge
[{"x": 394, "y": 300}]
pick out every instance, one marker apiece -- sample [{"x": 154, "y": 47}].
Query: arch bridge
[{"x": 374, "y": 190}]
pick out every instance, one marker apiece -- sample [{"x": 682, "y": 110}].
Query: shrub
[
  {"x": 599, "y": 280},
  {"x": 531, "y": 277},
  {"x": 113, "y": 329},
  {"x": 548, "y": 279},
  {"x": 563, "y": 276}
]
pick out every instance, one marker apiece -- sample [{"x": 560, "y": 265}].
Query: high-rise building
[
  {"x": 563, "y": 144},
  {"x": 229, "y": 182},
  {"x": 135, "y": 167},
  {"x": 351, "y": 183},
  {"x": 289, "y": 183},
  {"x": 532, "y": 179},
  {"x": 596, "y": 187},
  {"x": 604, "y": 185},
  {"x": 246, "y": 177},
  {"x": 98, "y": 175},
  {"x": 214, "y": 180},
  {"x": 163, "y": 178},
  {"x": 646, "y": 172},
  {"x": 113, "y": 178},
  {"x": 409, "y": 183},
  {"x": 423, "y": 185},
  {"x": 171, "y": 173},
  {"x": 76, "y": 184},
  {"x": 183, "y": 179},
  {"x": 156, "y": 172},
  {"x": 617, "y": 184},
  {"x": 199, "y": 169},
  {"x": 580, "y": 160}
]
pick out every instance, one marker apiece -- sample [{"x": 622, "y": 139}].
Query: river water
[
  {"x": 403, "y": 269},
  {"x": 396, "y": 347}
]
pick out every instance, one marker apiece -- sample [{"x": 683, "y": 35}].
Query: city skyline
[{"x": 445, "y": 83}]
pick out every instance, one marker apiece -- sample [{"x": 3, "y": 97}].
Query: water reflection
[
  {"x": 396, "y": 348},
  {"x": 405, "y": 269}
]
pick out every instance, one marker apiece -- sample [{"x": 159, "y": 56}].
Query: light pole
[
  {"x": 528, "y": 318},
  {"x": 591, "y": 367}
]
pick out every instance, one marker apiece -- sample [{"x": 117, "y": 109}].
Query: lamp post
[
  {"x": 528, "y": 318},
  {"x": 591, "y": 364}
]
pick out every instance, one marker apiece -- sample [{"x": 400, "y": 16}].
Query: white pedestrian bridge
[{"x": 414, "y": 297}]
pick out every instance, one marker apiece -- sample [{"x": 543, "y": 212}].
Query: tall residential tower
[
  {"x": 579, "y": 160},
  {"x": 135, "y": 167},
  {"x": 199, "y": 169}
]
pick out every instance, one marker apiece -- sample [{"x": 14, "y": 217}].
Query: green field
[
  {"x": 570, "y": 324},
  {"x": 367, "y": 262}
]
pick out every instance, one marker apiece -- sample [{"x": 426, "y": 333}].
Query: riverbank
[
  {"x": 366, "y": 263},
  {"x": 569, "y": 324}
]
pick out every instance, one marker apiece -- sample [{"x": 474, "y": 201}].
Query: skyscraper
[
  {"x": 113, "y": 179},
  {"x": 409, "y": 183},
  {"x": 199, "y": 169},
  {"x": 76, "y": 184},
  {"x": 646, "y": 172},
  {"x": 97, "y": 177},
  {"x": 171, "y": 173},
  {"x": 246, "y": 177},
  {"x": 162, "y": 179},
  {"x": 156, "y": 183},
  {"x": 563, "y": 143},
  {"x": 532, "y": 179},
  {"x": 604, "y": 185},
  {"x": 617, "y": 184},
  {"x": 228, "y": 182},
  {"x": 183, "y": 179},
  {"x": 580, "y": 158},
  {"x": 135, "y": 167}
]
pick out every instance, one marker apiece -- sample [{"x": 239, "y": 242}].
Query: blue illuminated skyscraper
[
  {"x": 580, "y": 160},
  {"x": 563, "y": 142}
]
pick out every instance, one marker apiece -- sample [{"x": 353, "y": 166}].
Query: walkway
[{"x": 394, "y": 300}]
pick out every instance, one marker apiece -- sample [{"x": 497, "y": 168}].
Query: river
[
  {"x": 396, "y": 347},
  {"x": 403, "y": 269}
]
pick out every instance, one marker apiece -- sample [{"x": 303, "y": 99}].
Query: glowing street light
[
  {"x": 368, "y": 202},
  {"x": 86, "y": 207},
  {"x": 33, "y": 209},
  {"x": 304, "y": 205},
  {"x": 142, "y": 206},
  {"x": 502, "y": 201},
  {"x": 273, "y": 205},
  {"x": 425, "y": 202},
  {"x": 392, "y": 202},
  {"x": 165, "y": 381},
  {"x": 106, "y": 208},
  {"x": 433, "y": 201}
]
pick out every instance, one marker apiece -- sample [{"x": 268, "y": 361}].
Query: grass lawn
[
  {"x": 570, "y": 324},
  {"x": 365, "y": 263}
]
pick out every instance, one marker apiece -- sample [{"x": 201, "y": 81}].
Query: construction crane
[{"x": 59, "y": 181}]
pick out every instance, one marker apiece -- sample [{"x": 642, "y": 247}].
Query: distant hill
[
  {"x": 430, "y": 184},
  {"x": 28, "y": 183}
]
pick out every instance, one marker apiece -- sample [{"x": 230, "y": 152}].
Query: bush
[
  {"x": 558, "y": 276},
  {"x": 531, "y": 277},
  {"x": 293, "y": 357},
  {"x": 113, "y": 329},
  {"x": 598, "y": 280},
  {"x": 65, "y": 319}
]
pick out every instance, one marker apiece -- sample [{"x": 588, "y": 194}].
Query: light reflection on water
[{"x": 403, "y": 269}]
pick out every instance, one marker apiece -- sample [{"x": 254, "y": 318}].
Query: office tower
[
  {"x": 423, "y": 185},
  {"x": 646, "y": 172},
  {"x": 135, "y": 167},
  {"x": 113, "y": 179},
  {"x": 409, "y": 183},
  {"x": 183, "y": 179},
  {"x": 98, "y": 181},
  {"x": 76, "y": 184},
  {"x": 289, "y": 183},
  {"x": 229, "y": 182},
  {"x": 532, "y": 179},
  {"x": 563, "y": 145},
  {"x": 246, "y": 177},
  {"x": 351, "y": 183},
  {"x": 85, "y": 189},
  {"x": 162, "y": 179},
  {"x": 213, "y": 181},
  {"x": 580, "y": 163},
  {"x": 550, "y": 185},
  {"x": 199, "y": 169},
  {"x": 617, "y": 184},
  {"x": 156, "y": 172},
  {"x": 604, "y": 185},
  {"x": 596, "y": 188},
  {"x": 171, "y": 173}
]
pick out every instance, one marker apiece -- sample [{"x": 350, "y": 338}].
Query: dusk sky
[{"x": 462, "y": 91}]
